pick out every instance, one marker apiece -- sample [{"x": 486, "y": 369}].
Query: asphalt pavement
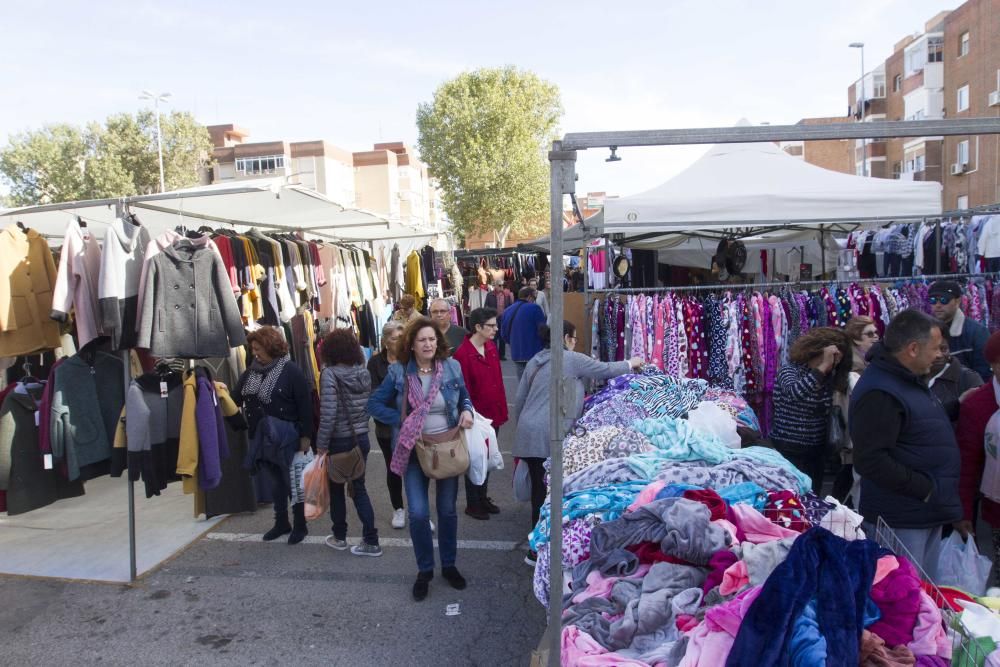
[{"x": 231, "y": 598}]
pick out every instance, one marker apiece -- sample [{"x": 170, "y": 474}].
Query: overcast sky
[{"x": 353, "y": 73}]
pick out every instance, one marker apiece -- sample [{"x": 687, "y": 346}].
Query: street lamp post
[
  {"x": 162, "y": 97},
  {"x": 861, "y": 106}
]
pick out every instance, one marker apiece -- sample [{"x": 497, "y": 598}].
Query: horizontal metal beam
[{"x": 576, "y": 141}]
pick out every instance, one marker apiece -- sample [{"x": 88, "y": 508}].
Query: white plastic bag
[
  {"x": 961, "y": 566},
  {"x": 522, "y": 482},
  {"x": 477, "y": 440},
  {"x": 492, "y": 442},
  {"x": 295, "y": 473},
  {"x": 708, "y": 417}
]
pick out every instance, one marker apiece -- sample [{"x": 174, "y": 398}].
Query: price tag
[
  {"x": 38, "y": 418},
  {"x": 163, "y": 389},
  {"x": 47, "y": 461}
]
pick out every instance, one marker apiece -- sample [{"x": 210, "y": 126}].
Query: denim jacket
[{"x": 386, "y": 402}]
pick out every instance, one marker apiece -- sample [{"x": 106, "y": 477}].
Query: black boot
[
  {"x": 280, "y": 527},
  {"x": 299, "y": 529},
  {"x": 421, "y": 585}
]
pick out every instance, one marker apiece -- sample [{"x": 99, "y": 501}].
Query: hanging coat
[{"x": 28, "y": 279}]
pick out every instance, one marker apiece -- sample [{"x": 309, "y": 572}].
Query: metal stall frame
[{"x": 562, "y": 165}]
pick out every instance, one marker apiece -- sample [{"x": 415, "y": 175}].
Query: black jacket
[{"x": 904, "y": 448}]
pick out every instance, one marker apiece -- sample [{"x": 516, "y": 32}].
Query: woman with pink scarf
[{"x": 437, "y": 402}]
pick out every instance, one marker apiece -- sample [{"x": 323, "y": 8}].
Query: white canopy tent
[
  {"x": 267, "y": 204},
  {"x": 760, "y": 185},
  {"x": 750, "y": 190}
]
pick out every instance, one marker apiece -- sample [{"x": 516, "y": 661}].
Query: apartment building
[
  {"x": 950, "y": 70},
  {"x": 834, "y": 154},
  {"x": 388, "y": 180}
]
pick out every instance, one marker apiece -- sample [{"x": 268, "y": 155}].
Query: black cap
[{"x": 945, "y": 288}]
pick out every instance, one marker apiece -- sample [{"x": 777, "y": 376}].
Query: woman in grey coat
[
  {"x": 531, "y": 442},
  {"x": 345, "y": 386}
]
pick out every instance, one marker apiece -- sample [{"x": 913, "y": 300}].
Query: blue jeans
[
  {"x": 418, "y": 504},
  {"x": 362, "y": 503}
]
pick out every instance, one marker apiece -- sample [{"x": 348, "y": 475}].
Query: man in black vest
[{"x": 904, "y": 446}]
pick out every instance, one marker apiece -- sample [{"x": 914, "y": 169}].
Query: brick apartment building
[
  {"x": 951, "y": 70},
  {"x": 388, "y": 180}
]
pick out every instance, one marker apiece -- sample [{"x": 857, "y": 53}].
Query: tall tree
[
  {"x": 485, "y": 137},
  {"x": 115, "y": 159}
]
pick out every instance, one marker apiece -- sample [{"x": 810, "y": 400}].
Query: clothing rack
[{"x": 801, "y": 283}]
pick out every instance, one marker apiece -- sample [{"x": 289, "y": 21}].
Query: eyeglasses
[
  {"x": 943, "y": 300},
  {"x": 440, "y": 312},
  {"x": 489, "y": 325}
]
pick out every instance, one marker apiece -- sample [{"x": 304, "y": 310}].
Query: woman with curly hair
[
  {"x": 428, "y": 386},
  {"x": 345, "y": 385},
  {"x": 819, "y": 363},
  {"x": 276, "y": 401}
]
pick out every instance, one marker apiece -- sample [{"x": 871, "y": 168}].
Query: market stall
[
  {"x": 738, "y": 630},
  {"x": 138, "y": 326}
]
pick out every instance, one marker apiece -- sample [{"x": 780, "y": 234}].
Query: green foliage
[
  {"x": 485, "y": 138},
  {"x": 117, "y": 159}
]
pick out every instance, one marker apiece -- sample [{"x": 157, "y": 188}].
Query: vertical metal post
[
  {"x": 562, "y": 175},
  {"x": 607, "y": 262},
  {"x": 937, "y": 247},
  {"x": 822, "y": 250},
  {"x": 132, "y": 570}
]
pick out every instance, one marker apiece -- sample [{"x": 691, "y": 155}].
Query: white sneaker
[{"x": 399, "y": 518}]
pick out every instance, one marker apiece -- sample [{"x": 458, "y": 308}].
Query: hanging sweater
[{"x": 802, "y": 399}]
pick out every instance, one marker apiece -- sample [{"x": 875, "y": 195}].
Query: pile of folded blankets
[{"x": 682, "y": 547}]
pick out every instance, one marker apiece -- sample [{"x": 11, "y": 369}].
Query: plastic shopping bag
[
  {"x": 299, "y": 463},
  {"x": 960, "y": 565},
  {"x": 522, "y": 482},
  {"x": 494, "y": 457},
  {"x": 315, "y": 488},
  {"x": 476, "y": 439}
]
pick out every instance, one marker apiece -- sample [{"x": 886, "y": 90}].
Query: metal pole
[
  {"x": 159, "y": 142},
  {"x": 132, "y": 574},
  {"x": 562, "y": 175},
  {"x": 864, "y": 142},
  {"x": 937, "y": 247},
  {"x": 822, "y": 250}
]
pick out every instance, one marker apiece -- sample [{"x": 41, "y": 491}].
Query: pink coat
[{"x": 76, "y": 282}]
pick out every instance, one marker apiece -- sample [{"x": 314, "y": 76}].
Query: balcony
[{"x": 873, "y": 107}]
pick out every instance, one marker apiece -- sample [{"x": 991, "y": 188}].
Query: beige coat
[{"x": 27, "y": 279}]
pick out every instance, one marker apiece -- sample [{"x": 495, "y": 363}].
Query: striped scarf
[
  {"x": 413, "y": 426},
  {"x": 261, "y": 379}
]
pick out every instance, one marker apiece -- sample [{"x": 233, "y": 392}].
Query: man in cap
[{"x": 966, "y": 337}]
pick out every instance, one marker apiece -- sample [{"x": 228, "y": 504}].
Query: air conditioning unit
[
  {"x": 957, "y": 169},
  {"x": 994, "y": 99}
]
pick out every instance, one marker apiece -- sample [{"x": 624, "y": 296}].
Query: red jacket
[
  {"x": 973, "y": 416},
  {"x": 484, "y": 380}
]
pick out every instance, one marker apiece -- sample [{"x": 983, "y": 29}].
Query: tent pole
[
  {"x": 822, "y": 250},
  {"x": 563, "y": 175},
  {"x": 132, "y": 573},
  {"x": 937, "y": 247}
]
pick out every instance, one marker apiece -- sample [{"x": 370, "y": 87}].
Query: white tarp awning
[
  {"x": 759, "y": 185},
  {"x": 262, "y": 203}
]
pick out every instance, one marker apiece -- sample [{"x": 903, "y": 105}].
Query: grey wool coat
[
  {"x": 532, "y": 403},
  {"x": 188, "y": 307}
]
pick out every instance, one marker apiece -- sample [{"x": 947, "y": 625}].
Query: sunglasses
[{"x": 943, "y": 300}]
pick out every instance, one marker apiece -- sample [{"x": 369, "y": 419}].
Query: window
[
  {"x": 962, "y": 202},
  {"x": 897, "y": 83},
  {"x": 963, "y": 44},
  {"x": 963, "y": 152},
  {"x": 963, "y": 98},
  {"x": 878, "y": 84},
  {"x": 935, "y": 50},
  {"x": 267, "y": 164},
  {"x": 897, "y": 169},
  {"x": 919, "y": 164}
]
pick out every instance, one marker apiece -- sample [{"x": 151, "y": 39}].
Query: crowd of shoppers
[{"x": 919, "y": 450}]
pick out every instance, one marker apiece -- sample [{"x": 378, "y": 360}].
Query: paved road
[{"x": 231, "y": 599}]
